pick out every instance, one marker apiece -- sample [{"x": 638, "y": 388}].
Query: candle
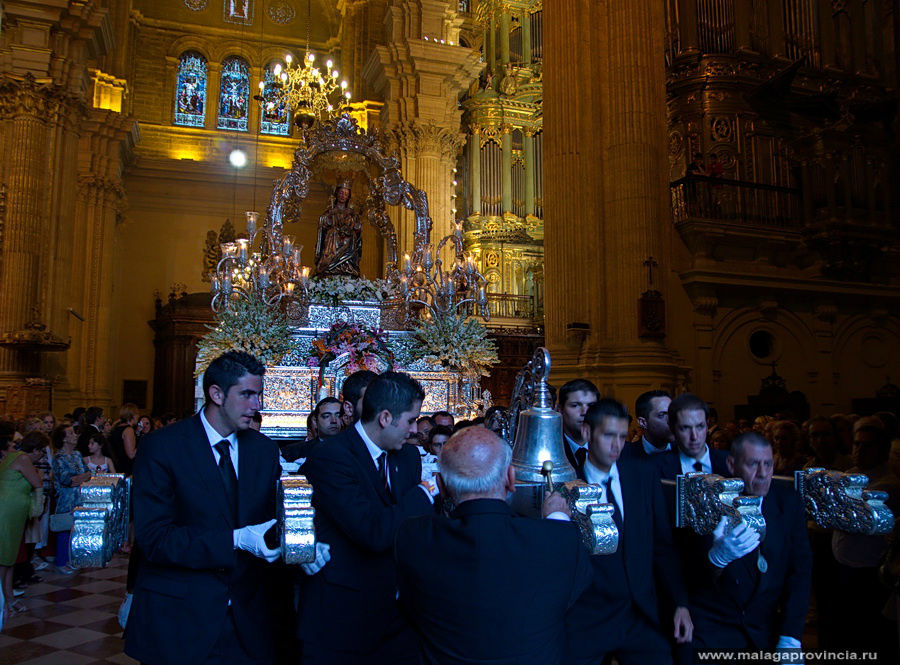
[
  {"x": 252, "y": 218},
  {"x": 407, "y": 264},
  {"x": 288, "y": 245},
  {"x": 243, "y": 249}
]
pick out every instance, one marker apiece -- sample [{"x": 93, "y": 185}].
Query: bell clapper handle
[{"x": 547, "y": 472}]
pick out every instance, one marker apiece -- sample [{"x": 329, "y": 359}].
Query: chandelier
[
  {"x": 425, "y": 284},
  {"x": 270, "y": 273},
  {"x": 310, "y": 93}
]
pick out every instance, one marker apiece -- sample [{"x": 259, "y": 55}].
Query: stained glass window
[
  {"x": 190, "y": 91},
  {"x": 275, "y": 117},
  {"x": 234, "y": 94}
]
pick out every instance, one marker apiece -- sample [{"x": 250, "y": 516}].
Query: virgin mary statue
[{"x": 339, "y": 242}]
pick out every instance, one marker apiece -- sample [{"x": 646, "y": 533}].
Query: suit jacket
[
  {"x": 351, "y": 604},
  {"x": 739, "y": 606},
  {"x": 669, "y": 463},
  {"x": 650, "y": 564},
  {"x": 300, "y": 449},
  {"x": 189, "y": 569},
  {"x": 487, "y": 586}
]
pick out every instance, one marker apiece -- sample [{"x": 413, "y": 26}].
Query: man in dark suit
[
  {"x": 574, "y": 399},
  {"x": 652, "y": 412},
  {"x": 365, "y": 483},
  {"x": 204, "y": 497},
  {"x": 687, "y": 420},
  {"x": 748, "y": 597},
  {"x": 352, "y": 391},
  {"x": 327, "y": 417},
  {"x": 618, "y": 614},
  {"x": 484, "y": 585}
]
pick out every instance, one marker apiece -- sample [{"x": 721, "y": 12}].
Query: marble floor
[{"x": 71, "y": 620}]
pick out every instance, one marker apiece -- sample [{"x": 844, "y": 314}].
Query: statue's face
[{"x": 343, "y": 195}]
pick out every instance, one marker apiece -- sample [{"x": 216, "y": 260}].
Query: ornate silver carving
[
  {"x": 324, "y": 316},
  {"x": 595, "y": 521},
  {"x": 281, "y": 12},
  {"x": 703, "y": 499},
  {"x": 837, "y": 500},
  {"x": 295, "y": 519},
  {"x": 196, "y": 5},
  {"x": 100, "y": 520}
]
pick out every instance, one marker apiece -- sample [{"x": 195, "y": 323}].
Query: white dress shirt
[
  {"x": 595, "y": 476},
  {"x": 373, "y": 449},
  {"x": 214, "y": 437},
  {"x": 687, "y": 463},
  {"x": 650, "y": 449}
]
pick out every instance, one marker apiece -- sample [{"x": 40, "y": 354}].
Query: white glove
[
  {"x": 731, "y": 544},
  {"x": 788, "y": 642},
  {"x": 323, "y": 556},
  {"x": 252, "y": 539}
]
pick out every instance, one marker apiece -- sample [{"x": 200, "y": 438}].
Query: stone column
[
  {"x": 528, "y": 151},
  {"x": 421, "y": 81},
  {"x": 506, "y": 170},
  {"x": 605, "y": 189}
]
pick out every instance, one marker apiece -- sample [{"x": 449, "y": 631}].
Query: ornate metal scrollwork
[
  {"x": 295, "y": 519},
  {"x": 594, "y": 519},
  {"x": 703, "y": 499},
  {"x": 100, "y": 520},
  {"x": 837, "y": 500}
]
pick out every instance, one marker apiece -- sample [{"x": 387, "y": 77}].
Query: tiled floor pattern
[{"x": 71, "y": 620}]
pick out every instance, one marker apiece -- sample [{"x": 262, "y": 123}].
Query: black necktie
[
  {"x": 580, "y": 454},
  {"x": 698, "y": 466},
  {"x": 229, "y": 477},
  {"x": 611, "y": 498},
  {"x": 382, "y": 471}
]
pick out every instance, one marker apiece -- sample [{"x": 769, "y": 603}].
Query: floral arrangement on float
[
  {"x": 338, "y": 290},
  {"x": 455, "y": 342},
  {"x": 248, "y": 325},
  {"x": 365, "y": 347}
]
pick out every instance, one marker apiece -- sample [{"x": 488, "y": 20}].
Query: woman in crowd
[
  {"x": 18, "y": 478},
  {"x": 123, "y": 439},
  {"x": 787, "y": 445},
  {"x": 97, "y": 461},
  {"x": 69, "y": 472}
]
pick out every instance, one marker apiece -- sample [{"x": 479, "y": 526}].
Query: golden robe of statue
[{"x": 339, "y": 243}]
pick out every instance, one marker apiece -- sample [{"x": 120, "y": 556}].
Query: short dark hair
[
  {"x": 642, "y": 405},
  {"x": 604, "y": 408},
  {"x": 323, "y": 402},
  {"x": 425, "y": 419},
  {"x": 686, "y": 402},
  {"x": 34, "y": 440},
  {"x": 437, "y": 431},
  {"x": 227, "y": 370},
  {"x": 747, "y": 438},
  {"x": 574, "y": 386},
  {"x": 354, "y": 385},
  {"x": 91, "y": 414},
  {"x": 442, "y": 414},
  {"x": 391, "y": 391},
  {"x": 58, "y": 436}
]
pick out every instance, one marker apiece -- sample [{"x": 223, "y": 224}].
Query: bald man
[{"x": 485, "y": 585}]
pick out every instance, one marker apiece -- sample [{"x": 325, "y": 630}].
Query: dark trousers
[
  {"x": 399, "y": 646},
  {"x": 639, "y": 643}
]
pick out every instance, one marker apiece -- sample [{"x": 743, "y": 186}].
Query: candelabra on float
[{"x": 271, "y": 273}]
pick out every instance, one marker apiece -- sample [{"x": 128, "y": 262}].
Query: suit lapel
[
  {"x": 201, "y": 460},
  {"x": 359, "y": 450}
]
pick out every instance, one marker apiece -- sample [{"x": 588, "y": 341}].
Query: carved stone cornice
[
  {"x": 423, "y": 137},
  {"x": 27, "y": 96}
]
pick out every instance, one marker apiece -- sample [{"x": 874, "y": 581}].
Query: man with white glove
[
  {"x": 731, "y": 543},
  {"x": 203, "y": 499},
  {"x": 747, "y": 594},
  {"x": 252, "y": 539},
  {"x": 323, "y": 556}
]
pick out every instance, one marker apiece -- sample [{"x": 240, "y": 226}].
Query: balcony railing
[
  {"x": 506, "y": 306},
  {"x": 736, "y": 201}
]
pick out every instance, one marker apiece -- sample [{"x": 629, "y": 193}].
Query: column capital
[
  {"x": 423, "y": 137},
  {"x": 28, "y": 96}
]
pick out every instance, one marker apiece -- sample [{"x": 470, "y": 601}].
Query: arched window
[
  {"x": 190, "y": 90},
  {"x": 234, "y": 95},
  {"x": 275, "y": 117}
]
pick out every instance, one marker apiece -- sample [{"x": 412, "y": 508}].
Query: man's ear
[
  {"x": 510, "y": 479},
  {"x": 586, "y": 433},
  {"x": 347, "y": 409},
  {"x": 642, "y": 422},
  {"x": 729, "y": 463},
  {"x": 385, "y": 418},
  {"x": 216, "y": 395}
]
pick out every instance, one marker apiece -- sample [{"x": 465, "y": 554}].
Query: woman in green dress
[{"x": 17, "y": 478}]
